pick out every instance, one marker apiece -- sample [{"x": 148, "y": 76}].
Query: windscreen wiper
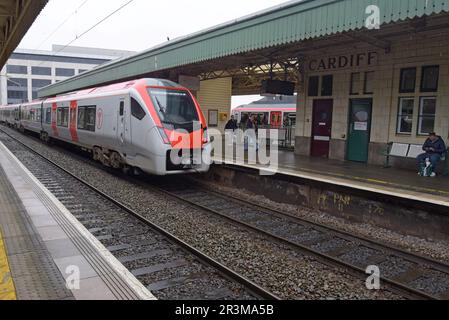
[{"x": 161, "y": 109}]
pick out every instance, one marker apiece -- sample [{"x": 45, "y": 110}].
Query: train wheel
[
  {"x": 115, "y": 160},
  {"x": 105, "y": 160},
  {"x": 136, "y": 172},
  {"x": 44, "y": 137},
  {"x": 97, "y": 154},
  {"x": 127, "y": 170}
]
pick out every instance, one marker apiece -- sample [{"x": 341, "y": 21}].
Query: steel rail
[
  {"x": 413, "y": 257},
  {"x": 252, "y": 287},
  {"x": 415, "y": 294}
]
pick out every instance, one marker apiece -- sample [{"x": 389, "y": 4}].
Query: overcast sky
[{"x": 139, "y": 26}]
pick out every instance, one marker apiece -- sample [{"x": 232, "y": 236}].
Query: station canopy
[
  {"x": 272, "y": 41},
  {"x": 16, "y": 17}
]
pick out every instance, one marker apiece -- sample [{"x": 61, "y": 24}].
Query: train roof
[
  {"x": 267, "y": 104},
  {"x": 121, "y": 86},
  {"x": 266, "y": 110},
  {"x": 151, "y": 82}
]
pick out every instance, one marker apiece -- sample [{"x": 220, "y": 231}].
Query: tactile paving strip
[
  {"x": 121, "y": 283},
  {"x": 35, "y": 275}
]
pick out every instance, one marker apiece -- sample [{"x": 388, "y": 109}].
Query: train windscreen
[{"x": 175, "y": 108}]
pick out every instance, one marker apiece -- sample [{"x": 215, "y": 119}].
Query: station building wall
[
  {"x": 409, "y": 51},
  {"x": 215, "y": 97}
]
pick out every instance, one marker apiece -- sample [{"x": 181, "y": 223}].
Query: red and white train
[
  {"x": 150, "y": 124},
  {"x": 273, "y": 116}
]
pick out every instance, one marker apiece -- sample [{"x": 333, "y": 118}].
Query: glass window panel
[
  {"x": 369, "y": 83},
  {"x": 18, "y": 83},
  {"x": 16, "y": 69},
  {"x": 314, "y": 83},
  {"x": 48, "y": 115},
  {"x": 62, "y": 72},
  {"x": 427, "y": 125},
  {"x": 40, "y": 83},
  {"x": 427, "y": 111},
  {"x": 429, "y": 80},
  {"x": 327, "y": 85},
  {"x": 41, "y": 71},
  {"x": 408, "y": 80},
  {"x": 405, "y": 115},
  {"x": 81, "y": 117}
]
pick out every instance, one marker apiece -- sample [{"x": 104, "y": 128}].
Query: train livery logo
[{"x": 100, "y": 118}]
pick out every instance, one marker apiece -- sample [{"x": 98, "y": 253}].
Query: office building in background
[{"x": 29, "y": 70}]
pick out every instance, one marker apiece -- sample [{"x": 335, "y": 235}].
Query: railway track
[
  {"x": 167, "y": 266},
  {"x": 413, "y": 276},
  {"x": 417, "y": 276}
]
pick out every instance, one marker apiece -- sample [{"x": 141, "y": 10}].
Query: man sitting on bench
[{"x": 434, "y": 148}]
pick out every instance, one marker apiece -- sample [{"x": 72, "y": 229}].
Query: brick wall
[{"x": 407, "y": 51}]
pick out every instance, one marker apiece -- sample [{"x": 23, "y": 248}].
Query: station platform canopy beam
[
  {"x": 282, "y": 33},
  {"x": 16, "y": 17}
]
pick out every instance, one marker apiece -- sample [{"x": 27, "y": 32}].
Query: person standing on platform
[{"x": 232, "y": 124}]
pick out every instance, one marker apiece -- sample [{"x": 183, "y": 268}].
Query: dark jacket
[
  {"x": 249, "y": 124},
  {"x": 437, "y": 147},
  {"x": 231, "y": 125}
]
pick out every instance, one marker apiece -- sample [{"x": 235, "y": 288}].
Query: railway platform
[
  {"x": 400, "y": 183},
  {"x": 392, "y": 199},
  {"x": 45, "y": 253}
]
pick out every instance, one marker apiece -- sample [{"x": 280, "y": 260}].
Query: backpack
[{"x": 426, "y": 169}]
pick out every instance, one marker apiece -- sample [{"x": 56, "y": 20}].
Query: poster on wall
[
  {"x": 213, "y": 118},
  {"x": 361, "y": 126}
]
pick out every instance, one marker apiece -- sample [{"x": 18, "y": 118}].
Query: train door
[
  {"x": 123, "y": 133},
  {"x": 41, "y": 123}
]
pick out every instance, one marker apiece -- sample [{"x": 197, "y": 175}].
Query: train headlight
[{"x": 163, "y": 135}]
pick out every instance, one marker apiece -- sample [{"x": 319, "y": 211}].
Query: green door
[{"x": 359, "y": 129}]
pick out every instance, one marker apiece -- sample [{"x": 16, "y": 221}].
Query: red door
[{"x": 321, "y": 128}]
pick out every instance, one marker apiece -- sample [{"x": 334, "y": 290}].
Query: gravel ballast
[{"x": 278, "y": 268}]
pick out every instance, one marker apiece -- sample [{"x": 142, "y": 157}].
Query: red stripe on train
[{"x": 73, "y": 117}]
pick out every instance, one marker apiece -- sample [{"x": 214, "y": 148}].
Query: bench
[{"x": 411, "y": 151}]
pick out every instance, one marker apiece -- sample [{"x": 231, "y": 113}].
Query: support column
[
  {"x": 3, "y": 87},
  {"x": 302, "y": 141}
]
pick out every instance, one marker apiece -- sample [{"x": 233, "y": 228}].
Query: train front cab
[{"x": 173, "y": 126}]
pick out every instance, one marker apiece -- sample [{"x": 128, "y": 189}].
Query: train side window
[
  {"x": 122, "y": 108},
  {"x": 136, "y": 109},
  {"x": 87, "y": 116},
  {"x": 48, "y": 115},
  {"x": 38, "y": 115},
  {"x": 63, "y": 117}
]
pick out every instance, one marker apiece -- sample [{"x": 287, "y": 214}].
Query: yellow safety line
[
  {"x": 404, "y": 187},
  {"x": 7, "y": 288}
]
